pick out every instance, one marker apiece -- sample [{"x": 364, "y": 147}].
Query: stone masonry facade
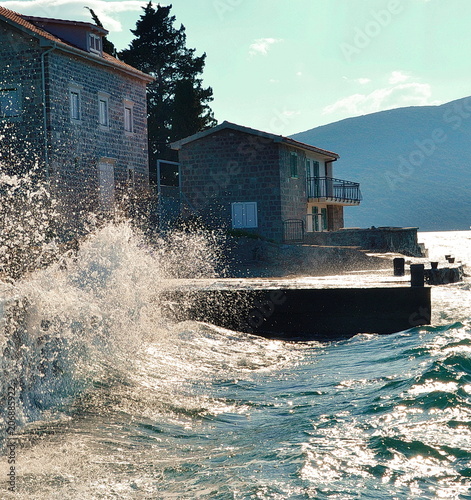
[
  {"x": 293, "y": 188},
  {"x": 231, "y": 166},
  {"x": 22, "y": 143},
  {"x": 67, "y": 151},
  {"x": 77, "y": 145}
]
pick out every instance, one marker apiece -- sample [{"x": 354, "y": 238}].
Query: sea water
[{"x": 103, "y": 398}]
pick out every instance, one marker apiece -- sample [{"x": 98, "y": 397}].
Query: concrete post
[
  {"x": 398, "y": 264},
  {"x": 417, "y": 275}
]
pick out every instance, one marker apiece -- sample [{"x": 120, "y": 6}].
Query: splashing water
[
  {"x": 115, "y": 402},
  {"x": 69, "y": 320},
  {"x": 28, "y": 221}
]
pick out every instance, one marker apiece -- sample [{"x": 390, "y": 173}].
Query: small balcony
[{"x": 328, "y": 189}]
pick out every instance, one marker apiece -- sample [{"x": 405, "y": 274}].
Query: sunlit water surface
[{"x": 114, "y": 402}]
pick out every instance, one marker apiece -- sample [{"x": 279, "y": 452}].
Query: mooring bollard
[
  {"x": 398, "y": 264},
  {"x": 417, "y": 275}
]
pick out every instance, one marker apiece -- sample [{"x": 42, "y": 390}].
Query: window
[
  {"x": 324, "y": 218},
  {"x": 131, "y": 177},
  {"x": 94, "y": 43},
  {"x": 128, "y": 117},
  {"x": 103, "y": 110},
  {"x": 312, "y": 168},
  {"x": 244, "y": 215},
  {"x": 106, "y": 183},
  {"x": 75, "y": 98},
  {"x": 319, "y": 219},
  {"x": 10, "y": 102},
  {"x": 294, "y": 165}
]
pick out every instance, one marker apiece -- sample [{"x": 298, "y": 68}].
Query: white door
[{"x": 106, "y": 185}]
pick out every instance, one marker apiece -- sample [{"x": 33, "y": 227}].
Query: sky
[{"x": 288, "y": 66}]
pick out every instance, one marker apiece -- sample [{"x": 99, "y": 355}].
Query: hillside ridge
[{"x": 413, "y": 163}]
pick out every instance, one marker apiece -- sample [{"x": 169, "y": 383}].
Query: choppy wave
[{"x": 116, "y": 402}]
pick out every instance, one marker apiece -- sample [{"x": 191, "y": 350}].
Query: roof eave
[
  {"x": 45, "y": 20},
  {"x": 308, "y": 147},
  {"x": 44, "y": 42},
  {"x": 60, "y": 45},
  {"x": 177, "y": 145},
  {"x": 23, "y": 29}
]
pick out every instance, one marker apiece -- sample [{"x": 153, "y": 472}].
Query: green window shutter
[
  {"x": 324, "y": 217},
  {"x": 294, "y": 165},
  {"x": 315, "y": 218}
]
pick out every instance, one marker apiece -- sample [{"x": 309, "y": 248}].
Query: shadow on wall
[{"x": 247, "y": 257}]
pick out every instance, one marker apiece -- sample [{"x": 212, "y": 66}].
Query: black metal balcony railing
[{"x": 336, "y": 189}]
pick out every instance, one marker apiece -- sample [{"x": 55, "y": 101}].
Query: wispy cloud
[
  {"x": 398, "y": 77},
  {"x": 261, "y": 46},
  {"x": 396, "y": 96},
  {"x": 361, "y": 81},
  {"x": 74, "y": 9}
]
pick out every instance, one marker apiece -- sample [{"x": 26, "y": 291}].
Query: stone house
[
  {"x": 244, "y": 179},
  {"x": 75, "y": 113}
]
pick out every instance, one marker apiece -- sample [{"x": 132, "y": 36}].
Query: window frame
[
  {"x": 128, "y": 127},
  {"x": 106, "y": 170},
  {"x": 293, "y": 165},
  {"x": 16, "y": 107},
  {"x": 131, "y": 177},
  {"x": 75, "y": 112},
  {"x": 93, "y": 41},
  {"x": 103, "y": 97}
]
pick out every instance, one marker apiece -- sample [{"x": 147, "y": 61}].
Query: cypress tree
[{"x": 177, "y": 102}]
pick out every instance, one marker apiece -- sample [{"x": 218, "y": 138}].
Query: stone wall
[
  {"x": 250, "y": 257},
  {"x": 381, "y": 239},
  {"x": 229, "y": 167},
  {"x": 335, "y": 217},
  {"x": 73, "y": 148},
  {"x": 293, "y": 189},
  {"x": 22, "y": 144},
  {"x": 76, "y": 146}
]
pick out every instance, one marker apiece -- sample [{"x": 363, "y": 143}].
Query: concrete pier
[{"x": 304, "y": 313}]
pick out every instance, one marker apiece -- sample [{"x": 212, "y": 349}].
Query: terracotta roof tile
[
  {"x": 20, "y": 20},
  {"x": 17, "y": 19}
]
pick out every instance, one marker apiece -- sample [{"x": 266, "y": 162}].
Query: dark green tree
[
  {"x": 108, "y": 46},
  {"x": 177, "y": 102}
]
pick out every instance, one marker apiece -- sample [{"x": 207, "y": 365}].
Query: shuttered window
[
  {"x": 75, "y": 105},
  {"x": 103, "y": 110},
  {"x": 244, "y": 215}
]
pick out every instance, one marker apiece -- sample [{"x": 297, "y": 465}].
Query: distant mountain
[{"x": 414, "y": 165}]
